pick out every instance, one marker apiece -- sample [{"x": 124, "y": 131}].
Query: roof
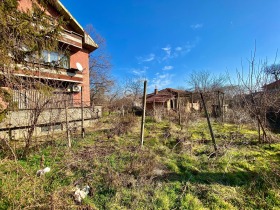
[
  {"x": 165, "y": 95},
  {"x": 272, "y": 85},
  {"x": 159, "y": 97},
  {"x": 75, "y": 24}
]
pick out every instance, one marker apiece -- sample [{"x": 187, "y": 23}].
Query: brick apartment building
[
  {"x": 71, "y": 71},
  {"x": 67, "y": 75}
]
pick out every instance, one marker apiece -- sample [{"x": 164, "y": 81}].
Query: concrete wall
[
  {"x": 51, "y": 120},
  {"x": 167, "y": 105},
  {"x": 192, "y": 106}
]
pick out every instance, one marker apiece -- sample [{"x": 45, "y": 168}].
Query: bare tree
[
  {"x": 134, "y": 89},
  {"x": 273, "y": 70},
  {"x": 24, "y": 36},
  {"x": 255, "y": 99},
  {"x": 101, "y": 81},
  {"x": 203, "y": 81},
  {"x": 212, "y": 87}
]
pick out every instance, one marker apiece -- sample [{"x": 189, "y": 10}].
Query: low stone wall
[{"x": 15, "y": 125}]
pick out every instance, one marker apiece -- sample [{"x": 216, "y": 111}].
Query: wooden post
[
  {"x": 223, "y": 108},
  {"x": 192, "y": 101},
  {"x": 67, "y": 123},
  {"x": 209, "y": 123},
  {"x": 179, "y": 109},
  {"x": 82, "y": 115},
  {"x": 144, "y": 113},
  {"x": 123, "y": 110},
  {"x": 154, "y": 108},
  {"x": 219, "y": 104}
]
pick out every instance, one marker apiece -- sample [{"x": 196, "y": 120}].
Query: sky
[{"x": 164, "y": 41}]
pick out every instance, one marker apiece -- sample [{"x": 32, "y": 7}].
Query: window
[
  {"x": 56, "y": 59},
  {"x": 45, "y": 128},
  {"x": 57, "y": 127}
]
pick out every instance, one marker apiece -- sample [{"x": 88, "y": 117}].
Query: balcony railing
[
  {"x": 89, "y": 43},
  {"x": 72, "y": 39},
  {"x": 50, "y": 72}
]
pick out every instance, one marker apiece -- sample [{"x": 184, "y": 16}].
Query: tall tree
[
  {"x": 24, "y": 35},
  {"x": 273, "y": 70}
]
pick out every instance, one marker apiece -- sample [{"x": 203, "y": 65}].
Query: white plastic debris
[
  {"x": 43, "y": 171},
  {"x": 79, "y": 194}
]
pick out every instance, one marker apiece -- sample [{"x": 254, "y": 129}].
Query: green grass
[{"x": 174, "y": 170}]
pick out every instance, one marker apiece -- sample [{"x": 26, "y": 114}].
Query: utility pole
[{"x": 144, "y": 113}]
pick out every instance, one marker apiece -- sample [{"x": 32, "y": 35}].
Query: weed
[{"x": 173, "y": 170}]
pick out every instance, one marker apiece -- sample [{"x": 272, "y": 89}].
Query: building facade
[
  {"x": 171, "y": 99},
  {"x": 66, "y": 70}
]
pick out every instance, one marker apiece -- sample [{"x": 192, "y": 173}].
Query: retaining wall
[{"x": 16, "y": 124}]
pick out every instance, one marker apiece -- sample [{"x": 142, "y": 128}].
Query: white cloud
[
  {"x": 139, "y": 72},
  {"x": 147, "y": 58},
  {"x": 178, "y": 48},
  {"x": 161, "y": 80},
  {"x": 167, "y": 51},
  {"x": 188, "y": 47},
  {"x": 166, "y": 68},
  {"x": 197, "y": 26},
  {"x": 182, "y": 50}
]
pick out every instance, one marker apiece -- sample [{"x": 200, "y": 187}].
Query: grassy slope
[{"x": 173, "y": 171}]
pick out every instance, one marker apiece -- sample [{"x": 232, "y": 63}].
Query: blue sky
[{"x": 165, "y": 40}]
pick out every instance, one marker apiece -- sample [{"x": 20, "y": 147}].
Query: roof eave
[
  {"x": 88, "y": 42},
  {"x": 74, "y": 23}
]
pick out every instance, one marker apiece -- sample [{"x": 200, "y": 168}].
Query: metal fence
[{"x": 32, "y": 99}]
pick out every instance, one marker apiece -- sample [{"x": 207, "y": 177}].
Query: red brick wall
[
  {"x": 82, "y": 57},
  {"x": 27, "y": 5}
]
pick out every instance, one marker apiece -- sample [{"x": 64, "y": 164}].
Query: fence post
[
  {"x": 209, "y": 123},
  {"x": 67, "y": 124},
  {"x": 82, "y": 115},
  {"x": 179, "y": 108},
  {"x": 144, "y": 113}
]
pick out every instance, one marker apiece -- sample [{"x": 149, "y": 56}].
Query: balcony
[
  {"x": 72, "y": 38},
  {"x": 49, "y": 71},
  {"x": 89, "y": 43}
]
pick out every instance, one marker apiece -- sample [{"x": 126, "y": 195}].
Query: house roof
[
  {"x": 165, "y": 95},
  {"x": 160, "y": 97},
  {"x": 272, "y": 85}
]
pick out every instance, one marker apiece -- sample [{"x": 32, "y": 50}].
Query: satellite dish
[{"x": 79, "y": 66}]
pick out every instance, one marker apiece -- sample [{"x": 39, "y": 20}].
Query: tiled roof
[
  {"x": 272, "y": 85},
  {"x": 160, "y": 97},
  {"x": 165, "y": 95}
]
